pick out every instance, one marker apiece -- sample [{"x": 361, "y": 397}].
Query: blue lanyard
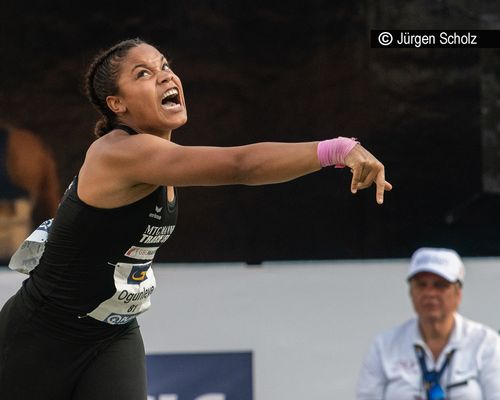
[{"x": 431, "y": 379}]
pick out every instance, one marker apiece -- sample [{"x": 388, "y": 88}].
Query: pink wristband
[{"x": 334, "y": 151}]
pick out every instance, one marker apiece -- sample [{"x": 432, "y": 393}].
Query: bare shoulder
[
  {"x": 106, "y": 178},
  {"x": 118, "y": 147}
]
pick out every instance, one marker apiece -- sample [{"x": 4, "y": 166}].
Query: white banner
[{"x": 307, "y": 324}]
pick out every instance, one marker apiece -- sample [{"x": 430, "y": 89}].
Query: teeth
[{"x": 170, "y": 92}]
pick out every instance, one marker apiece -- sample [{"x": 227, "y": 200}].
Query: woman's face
[{"x": 150, "y": 95}]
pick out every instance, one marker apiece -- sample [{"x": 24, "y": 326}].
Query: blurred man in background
[
  {"x": 439, "y": 355},
  {"x": 29, "y": 187}
]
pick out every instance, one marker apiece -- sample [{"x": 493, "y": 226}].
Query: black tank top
[{"x": 95, "y": 274}]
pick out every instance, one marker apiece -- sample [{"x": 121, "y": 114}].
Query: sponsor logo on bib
[
  {"x": 138, "y": 274},
  {"x": 119, "y": 319}
]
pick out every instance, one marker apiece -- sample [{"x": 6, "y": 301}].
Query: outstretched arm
[{"x": 153, "y": 160}]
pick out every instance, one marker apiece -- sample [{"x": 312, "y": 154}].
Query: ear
[{"x": 115, "y": 104}]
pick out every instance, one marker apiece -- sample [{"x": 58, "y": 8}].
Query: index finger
[{"x": 380, "y": 182}]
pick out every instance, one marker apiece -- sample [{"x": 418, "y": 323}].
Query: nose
[
  {"x": 430, "y": 290},
  {"x": 165, "y": 76}
]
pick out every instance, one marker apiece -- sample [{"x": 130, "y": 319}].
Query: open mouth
[{"x": 171, "y": 98}]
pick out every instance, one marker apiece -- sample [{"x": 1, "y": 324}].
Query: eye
[
  {"x": 165, "y": 67},
  {"x": 442, "y": 285},
  {"x": 418, "y": 285},
  {"x": 142, "y": 73}
]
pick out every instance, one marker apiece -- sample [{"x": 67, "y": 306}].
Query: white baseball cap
[{"x": 443, "y": 262}]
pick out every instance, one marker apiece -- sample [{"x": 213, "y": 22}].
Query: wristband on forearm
[{"x": 334, "y": 151}]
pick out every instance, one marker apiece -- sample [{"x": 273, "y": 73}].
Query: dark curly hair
[{"x": 101, "y": 82}]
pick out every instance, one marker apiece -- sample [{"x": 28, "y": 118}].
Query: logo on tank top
[
  {"x": 156, "y": 234},
  {"x": 156, "y": 215}
]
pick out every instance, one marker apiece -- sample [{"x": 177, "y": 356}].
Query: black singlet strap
[{"x": 127, "y": 129}]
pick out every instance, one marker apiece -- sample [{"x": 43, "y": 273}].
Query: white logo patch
[{"x": 141, "y": 253}]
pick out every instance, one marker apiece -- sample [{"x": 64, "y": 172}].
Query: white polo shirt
[{"x": 391, "y": 371}]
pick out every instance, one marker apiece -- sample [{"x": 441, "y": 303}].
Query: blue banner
[{"x": 200, "y": 376}]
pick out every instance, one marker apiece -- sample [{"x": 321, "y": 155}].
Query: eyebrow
[{"x": 146, "y": 66}]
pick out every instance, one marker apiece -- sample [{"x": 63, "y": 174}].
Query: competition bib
[
  {"x": 134, "y": 285},
  {"x": 28, "y": 255}
]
